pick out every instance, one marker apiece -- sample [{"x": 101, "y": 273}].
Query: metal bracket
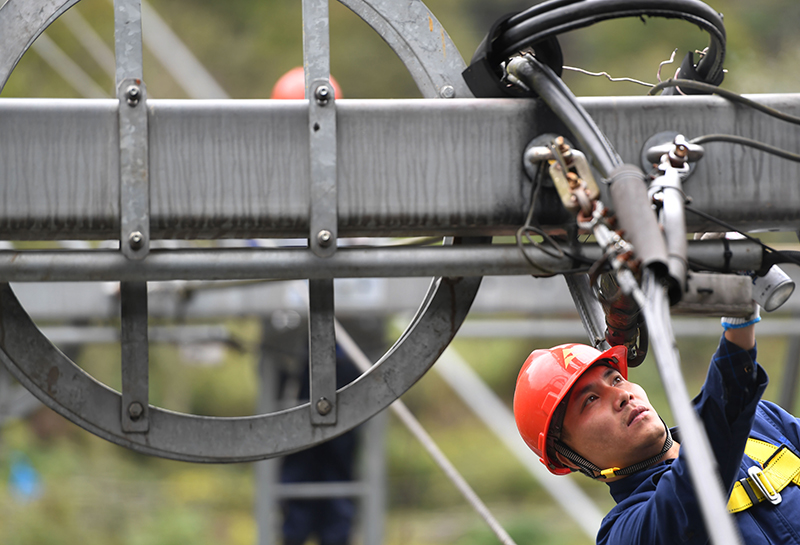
[
  {"x": 323, "y": 213},
  {"x": 321, "y": 352},
  {"x": 134, "y": 184},
  {"x": 135, "y": 357}
]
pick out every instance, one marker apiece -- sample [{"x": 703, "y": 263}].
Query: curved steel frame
[{"x": 67, "y": 389}]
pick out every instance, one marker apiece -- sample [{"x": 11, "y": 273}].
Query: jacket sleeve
[{"x": 664, "y": 508}]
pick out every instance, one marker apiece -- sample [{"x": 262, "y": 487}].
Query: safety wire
[{"x": 400, "y": 410}]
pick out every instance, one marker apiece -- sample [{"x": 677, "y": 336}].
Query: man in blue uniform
[{"x": 575, "y": 408}]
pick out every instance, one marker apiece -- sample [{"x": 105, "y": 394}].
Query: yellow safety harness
[{"x": 779, "y": 467}]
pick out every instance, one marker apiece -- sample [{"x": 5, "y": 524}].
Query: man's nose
[{"x": 621, "y": 398}]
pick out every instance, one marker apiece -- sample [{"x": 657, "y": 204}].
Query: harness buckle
[{"x": 758, "y": 477}]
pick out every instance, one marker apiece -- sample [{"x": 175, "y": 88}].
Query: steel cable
[{"x": 400, "y": 410}]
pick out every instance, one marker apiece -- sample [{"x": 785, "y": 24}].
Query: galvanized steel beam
[{"x": 239, "y": 169}]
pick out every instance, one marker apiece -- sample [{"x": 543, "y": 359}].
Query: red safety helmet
[
  {"x": 292, "y": 85},
  {"x": 543, "y": 382}
]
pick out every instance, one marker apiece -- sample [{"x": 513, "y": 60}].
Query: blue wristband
[{"x": 726, "y": 326}]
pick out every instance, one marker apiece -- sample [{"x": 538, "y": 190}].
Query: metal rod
[
  {"x": 589, "y": 310},
  {"x": 407, "y": 418},
  {"x": 292, "y": 263},
  {"x": 317, "y": 490},
  {"x": 695, "y": 446},
  {"x": 177, "y": 58},
  {"x": 68, "y": 69}
]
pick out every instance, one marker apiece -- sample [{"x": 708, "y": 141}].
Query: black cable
[
  {"x": 749, "y": 142},
  {"x": 730, "y": 95},
  {"x": 556, "y": 17},
  {"x": 770, "y": 252},
  {"x": 563, "y": 103},
  {"x": 528, "y": 227}
]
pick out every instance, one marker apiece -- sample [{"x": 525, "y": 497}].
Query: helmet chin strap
[{"x": 590, "y": 470}]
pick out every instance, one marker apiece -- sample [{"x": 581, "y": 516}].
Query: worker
[
  {"x": 292, "y": 85},
  {"x": 328, "y": 520},
  {"x": 576, "y": 409}
]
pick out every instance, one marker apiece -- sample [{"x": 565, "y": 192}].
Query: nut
[
  {"x": 323, "y": 94},
  {"x": 136, "y": 240},
  {"x": 135, "y": 410},
  {"x": 324, "y": 238},
  {"x": 133, "y": 95}
]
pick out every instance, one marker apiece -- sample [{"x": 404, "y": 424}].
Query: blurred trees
[{"x": 248, "y": 44}]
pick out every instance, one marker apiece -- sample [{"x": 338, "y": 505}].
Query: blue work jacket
[{"x": 659, "y": 506}]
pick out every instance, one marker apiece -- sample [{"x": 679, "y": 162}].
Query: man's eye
[{"x": 590, "y": 398}]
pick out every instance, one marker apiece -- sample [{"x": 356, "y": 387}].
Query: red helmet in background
[
  {"x": 544, "y": 381},
  {"x": 292, "y": 85}
]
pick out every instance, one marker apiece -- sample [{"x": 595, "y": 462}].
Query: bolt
[
  {"x": 447, "y": 91},
  {"x": 564, "y": 148},
  {"x": 573, "y": 180},
  {"x": 324, "y": 238},
  {"x": 324, "y": 406},
  {"x": 133, "y": 94},
  {"x": 136, "y": 240},
  {"x": 323, "y": 95},
  {"x": 135, "y": 410}
]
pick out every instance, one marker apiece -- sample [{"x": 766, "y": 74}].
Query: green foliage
[{"x": 93, "y": 492}]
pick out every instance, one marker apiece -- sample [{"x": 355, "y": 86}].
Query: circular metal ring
[{"x": 63, "y": 386}]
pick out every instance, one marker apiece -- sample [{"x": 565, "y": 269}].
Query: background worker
[
  {"x": 575, "y": 408},
  {"x": 328, "y": 520}
]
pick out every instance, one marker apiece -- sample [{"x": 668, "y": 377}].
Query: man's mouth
[{"x": 635, "y": 414}]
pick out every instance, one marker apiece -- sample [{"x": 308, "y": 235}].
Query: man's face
[{"x": 610, "y": 422}]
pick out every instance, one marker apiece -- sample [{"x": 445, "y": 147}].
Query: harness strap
[{"x": 780, "y": 466}]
